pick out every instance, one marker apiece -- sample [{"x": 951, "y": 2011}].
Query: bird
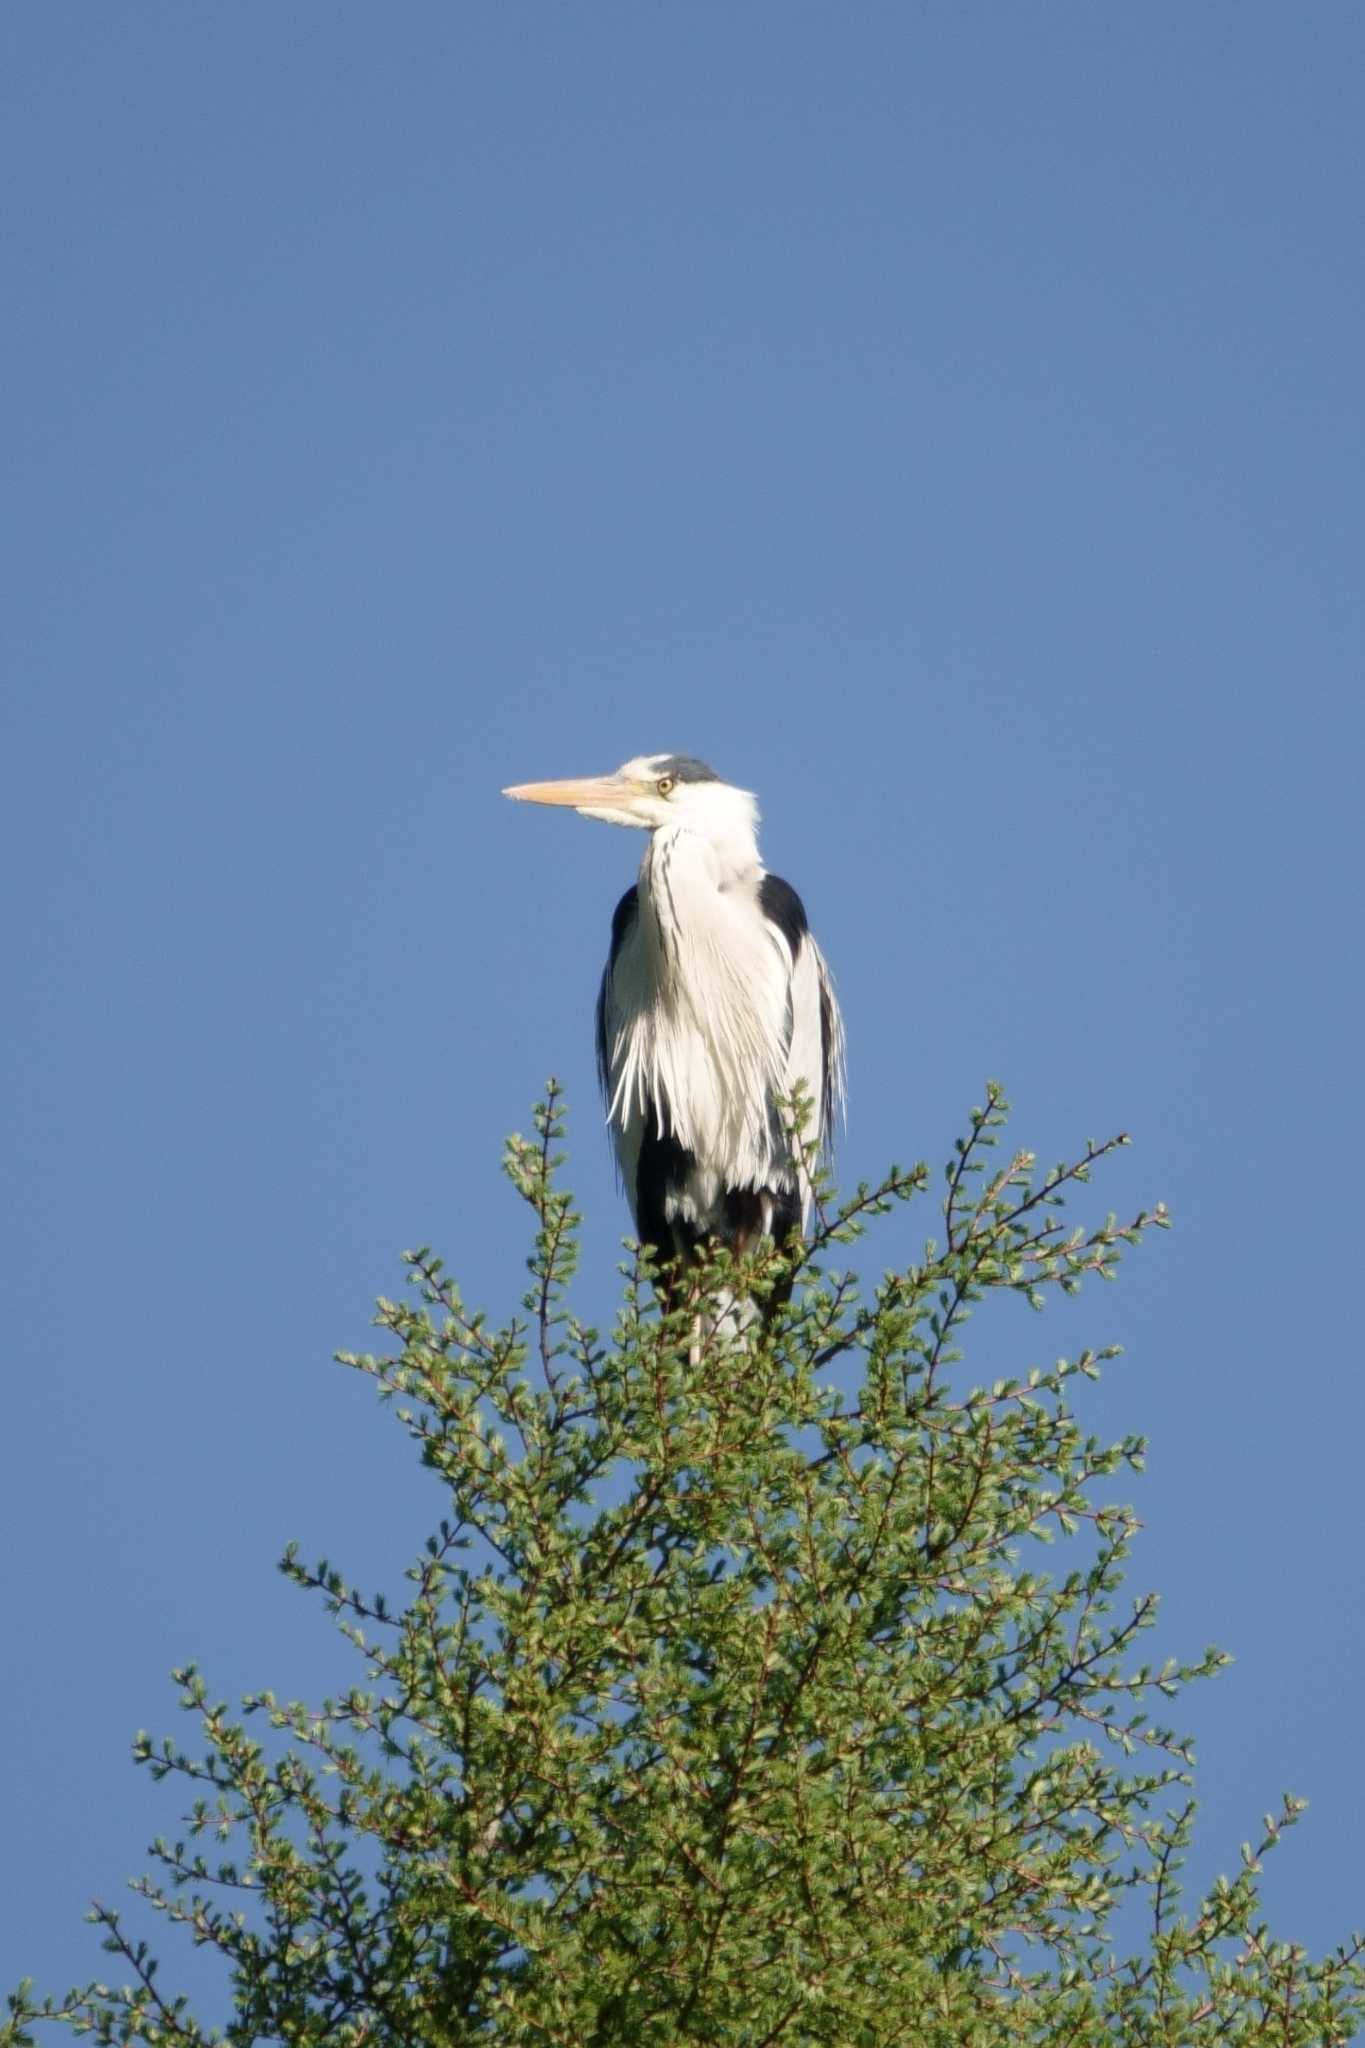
[{"x": 715, "y": 1006}]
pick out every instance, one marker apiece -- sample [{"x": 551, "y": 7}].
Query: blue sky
[{"x": 947, "y": 421}]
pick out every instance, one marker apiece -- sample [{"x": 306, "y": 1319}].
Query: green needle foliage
[{"x": 731, "y": 1701}]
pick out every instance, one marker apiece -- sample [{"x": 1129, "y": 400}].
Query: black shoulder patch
[
  {"x": 782, "y": 906},
  {"x": 622, "y": 918}
]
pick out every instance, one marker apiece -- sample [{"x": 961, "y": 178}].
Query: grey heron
[{"x": 715, "y": 1006}]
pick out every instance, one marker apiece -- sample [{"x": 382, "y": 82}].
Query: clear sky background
[{"x": 944, "y": 419}]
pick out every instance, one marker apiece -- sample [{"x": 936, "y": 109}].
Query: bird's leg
[
  {"x": 675, "y": 1283},
  {"x": 780, "y": 1292},
  {"x": 672, "y": 1286}
]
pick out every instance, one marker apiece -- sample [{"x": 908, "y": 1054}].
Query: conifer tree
[{"x": 736, "y": 1698}]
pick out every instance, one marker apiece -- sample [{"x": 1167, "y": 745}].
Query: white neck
[{"x": 714, "y": 831}]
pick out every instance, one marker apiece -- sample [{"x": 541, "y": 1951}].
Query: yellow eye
[{"x": 664, "y": 785}]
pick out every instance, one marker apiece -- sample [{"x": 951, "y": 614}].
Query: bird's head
[{"x": 655, "y": 791}]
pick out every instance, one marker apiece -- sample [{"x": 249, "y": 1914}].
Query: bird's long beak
[{"x": 579, "y": 792}]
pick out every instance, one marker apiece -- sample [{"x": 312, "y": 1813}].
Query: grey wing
[
  {"x": 815, "y": 1039},
  {"x": 816, "y": 1055}
]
